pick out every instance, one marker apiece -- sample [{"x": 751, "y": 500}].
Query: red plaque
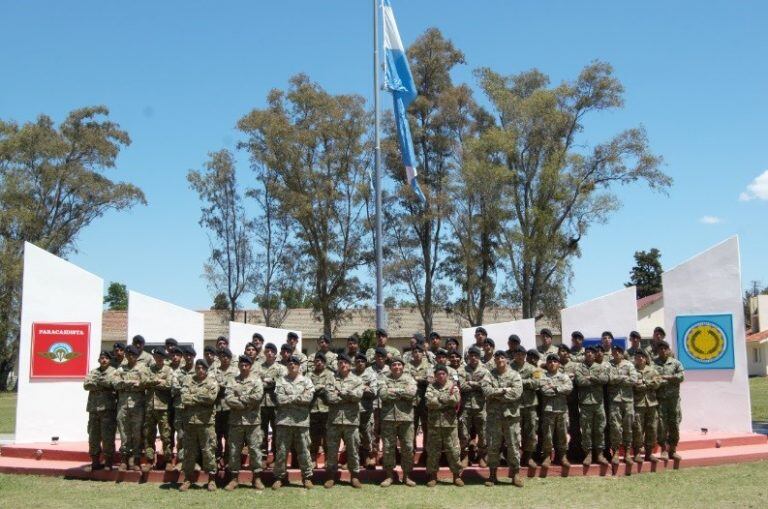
[{"x": 60, "y": 350}]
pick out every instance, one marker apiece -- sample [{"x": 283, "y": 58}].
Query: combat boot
[
  {"x": 123, "y": 466},
  {"x": 169, "y": 467},
  {"x": 95, "y": 464},
  {"x": 277, "y": 484},
  {"x": 599, "y": 458},
  {"x": 587, "y": 460},
  {"x": 650, "y": 457},
  {"x": 431, "y": 480},
  {"x": 308, "y": 484},
  {"x": 492, "y": 479},
  {"x": 628, "y": 458},
  {"x": 564, "y": 460},
  {"x": 146, "y": 467},
  {"x": 547, "y": 461},
  {"x": 517, "y": 479},
  {"x": 387, "y": 482},
  {"x": 458, "y": 481},
  {"x": 256, "y": 482},
  {"x": 370, "y": 461},
  {"x": 185, "y": 486},
  {"x": 464, "y": 459},
  {"x": 329, "y": 480},
  {"x": 133, "y": 464},
  {"x": 211, "y": 486},
  {"x": 673, "y": 455},
  {"x": 527, "y": 460},
  {"x": 355, "y": 482},
  {"x": 615, "y": 460},
  {"x": 233, "y": 483},
  {"x": 407, "y": 480},
  {"x": 663, "y": 456},
  {"x": 481, "y": 461}
]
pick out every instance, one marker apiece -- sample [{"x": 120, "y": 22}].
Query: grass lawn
[
  {"x": 740, "y": 486},
  {"x": 7, "y": 412},
  {"x": 758, "y": 388}
]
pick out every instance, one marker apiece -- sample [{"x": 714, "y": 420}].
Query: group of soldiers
[{"x": 482, "y": 406}]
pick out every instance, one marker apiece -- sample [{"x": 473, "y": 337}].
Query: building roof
[
  {"x": 757, "y": 337},
  {"x": 648, "y": 300}
]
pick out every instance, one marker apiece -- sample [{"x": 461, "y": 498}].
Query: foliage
[
  {"x": 646, "y": 274},
  {"x": 117, "y": 297},
  {"x": 220, "y": 302}
]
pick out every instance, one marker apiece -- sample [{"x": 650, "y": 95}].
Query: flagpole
[{"x": 380, "y": 318}]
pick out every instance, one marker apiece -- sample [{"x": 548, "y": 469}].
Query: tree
[
  {"x": 52, "y": 186},
  {"x": 117, "y": 297},
  {"x": 220, "y": 302},
  {"x": 558, "y": 186},
  {"x": 314, "y": 143},
  {"x": 229, "y": 269},
  {"x": 646, "y": 274}
]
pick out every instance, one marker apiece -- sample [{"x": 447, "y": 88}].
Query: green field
[
  {"x": 7, "y": 412},
  {"x": 758, "y": 389}
]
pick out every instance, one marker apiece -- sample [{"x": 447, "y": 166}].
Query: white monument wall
[
  {"x": 499, "y": 332},
  {"x": 157, "y": 320},
  {"x": 55, "y": 291},
  {"x": 241, "y": 333},
  {"x": 710, "y": 283},
  {"x": 615, "y": 312}
]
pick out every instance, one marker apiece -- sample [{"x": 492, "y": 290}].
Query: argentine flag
[{"x": 399, "y": 81}]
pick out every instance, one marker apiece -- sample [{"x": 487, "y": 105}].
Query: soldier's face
[
  {"x": 480, "y": 338},
  {"x": 473, "y": 360},
  {"x": 176, "y": 358},
  {"x": 343, "y": 368},
  {"x": 441, "y": 359},
  {"x": 552, "y": 366},
  {"x": 640, "y": 361},
  {"x": 589, "y": 356},
  {"x": 380, "y": 360},
  {"x": 245, "y": 369},
  {"x": 201, "y": 371},
  {"x": 396, "y": 368},
  {"x": 519, "y": 358},
  {"x": 270, "y": 355},
  {"x": 487, "y": 348},
  {"x": 512, "y": 344},
  {"x": 131, "y": 358},
  {"x": 564, "y": 356},
  {"x": 250, "y": 352},
  {"x": 323, "y": 346},
  {"x": 159, "y": 360},
  {"x": 209, "y": 356},
  {"x": 441, "y": 377},
  {"x": 293, "y": 368},
  {"x": 577, "y": 341},
  {"x": 435, "y": 342},
  {"x": 292, "y": 342},
  {"x": 319, "y": 365},
  {"x": 119, "y": 354},
  {"x": 352, "y": 346},
  {"x": 617, "y": 355},
  {"x": 533, "y": 361},
  {"x": 360, "y": 365},
  {"x": 501, "y": 361},
  {"x": 284, "y": 354},
  {"x": 381, "y": 340},
  {"x": 663, "y": 353},
  {"x": 416, "y": 355},
  {"x": 455, "y": 361},
  {"x": 546, "y": 340},
  {"x": 606, "y": 342},
  {"x": 103, "y": 361},
  {"x": 221, "y": 344},
  {"x": 189, "y": 359},
  {"x": 225, "y": 361}
]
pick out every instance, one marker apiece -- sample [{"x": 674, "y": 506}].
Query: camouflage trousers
[
  {"x": 503, "y": 428},
  {"x": 178, "y": 430},
  {"x": 267, "y": 422},
  {"x": 241, "y": 435},
  {"x": 101, "y": 433},
  {"x": 472, "y": 423},
  {"x": 199, "y": 440},
  {"x": 154, "y": 421},
  {"x": 443, "y": 440},
  {"x": 129, "y": 425},
  {"x": 292, "y": 438},
  {"x": 366, "y": 432},
  {"x": 391, "y": 433},
  {"x": 554, "y": 429},
  {"x": 620, "y": 420},
  {"x": 351, "y": 437},
  {"x": 670, "y": 416},
  {"x": 529, "y": 424},
  {"x": 318, "y": 429},
  {"x": 592, "y": 420},
  {"x": 644, "y": 428}
]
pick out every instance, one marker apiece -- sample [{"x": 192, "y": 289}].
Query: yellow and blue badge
[{"x": 705, "y": 341}]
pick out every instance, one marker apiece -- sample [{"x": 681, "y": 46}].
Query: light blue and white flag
[{"x": 399, "y": 81}]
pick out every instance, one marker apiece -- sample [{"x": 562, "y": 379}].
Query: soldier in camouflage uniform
[
  {"x": 621, "y": 378},
  {"x": 257, "y": 340},
  {"x": 324, "y": 347},
  {"x": 344, "y": 394},
  {"x": 569, "y": 367},
  {"x": 381, "y": 342},
  {"x": 577, "y": 347},
  {"x": 634, "y": 341},
  {"x": 555, "y": 386},
  {"x": 513, "y": 341},
  {"x": 378, "y": 369},
  {"x": 452, "y": 345},
  {"x": 353, "y": 347},
  {"x": 454, "y": 360},
  {"x": 442, "y": 397},
  {"x": 180, "y": 376},
  {"x": 590, "y": 378},
  {"x": 118, "y": 355},
  {"x": 672, "y": 375},
  {"x": 421, "y": 371},
  {"x": 209, "y": 354},
  {"x": 646, "y": 407},
  {"x": 397, "y": 392},
  {"x": 294, "y": 394},
  {"x": 270, "y": 371},
  {"x": 529, "y": 403},
  {"x": 144, "y": 358},
  {"x": 441, "y": 357},
  {"x": 159, "y": 400},
  {"x": 606, "y": 341},
  {"x": 503, "y": 389},
  {"x": 318, "y": 410},
  {"x": 546, "y": 347},
  {"x": 292, "y": 340},
  {"x": 101, "y": 412},
  {"x": 198, "y": 395},
  {"x": 489, "y": 347},
  {"x": 472, "y": 416},
  {"x": 250, "y": 352},
  {"x": 130, "y": 382},
  {"x": 370, "y": 390},
  {"x": 243, "y": 397},
  {"x": 224, "y": 374}
]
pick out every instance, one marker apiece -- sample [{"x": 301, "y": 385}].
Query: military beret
[
  {"x": 455, "y": 353},
  {"x": 642, "y": 353},
  {"x": 590, "y": 349},
  {"x": 635, "y": 334},
  {"x": 513, "y": 337},
  {"x": 607, "y": 333},
  {"x": 202, "y": 362},
  {"x": 500, "y": 353},
  {"x": 132, "y": 350},
  {"x": 249, "y": 345},
  {"x": 599, "y": 348},
  {"x": 481, "y": 330},
  {"x": 419, "y": 337},
  {"x": 361, "y": 357},
  {"x": 138, "y": 338},
  {"x": 618, "y": 348},
  {"x": 577, "y": 334},
  {"x": 258, "y": 336},
  {"x": 553, "y": 357},
  {"x": 294, "y": 359},
  {"x": 188, "y": 350},
  {"x": 564, "y": 348},
  {"x": 440, "y": 367},
  {"x": 160, "y": 352},
  {"x": 474, "y": 350},
  {"x": 106, "y": 353},
  {"x": 397, "y": 358},
  {"x": 174, "y": 350},
  {"x": 662, "y": 344},
  {"x": 224, "y": 352},
  {"x": 520, "y": 349},
  {"x": 546, "y": 332},
  {"x": 380, "y": 350},
  {"x": 292, "y": 335},
  {"x": 533, "y": 353},
  {"x": 209, "y": 349},
  {"x": 323, "y": 339},
  {"x": 286, "y": 348},
  {"x": 321, "y": 356},
  {"x": 452, "y": 340},
  {"x": 344, "y": 357},
  {"x": 244, "y": 359},
  {"x": 660, "y": 329},
  {"x": 353, "y": 339},
  {"x": 489, "y": 341},
  {"x": 381, "y": 332},
  {"x": 222, "y": 338},
  {"x": 434, "y": 334},
  {"x": 420, "y": 346},
  {"x": 171, "y": 342},
  {"x": 118, "y": 346},
  {"x": 271, "y": 347},
  {"x": 441, "y": 351}
]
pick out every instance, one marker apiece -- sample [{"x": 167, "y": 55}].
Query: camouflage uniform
[
  {"x": 472, "y": 412},
  {"x": 646, "y": 409},
  {"x": 621, "y": 378},
  {"x": 575, "y": 453},
  {"x": 554, "y": 393},
  {"x": 318, "y": 412},
  {"x": 502, "y": 393},
  {"x": 529, "y": 405},
  {"x": 331, "y": 360},
  {"x": 159, "y": 400},
  {"x": 269, "y": 375},
  {"x": 590, "y": 381},
  {"x": 344, "y": 397},
  {"x": 243, "y": 397},
  {"x": 551, "y": 349},
  {"x": 365, "y": 428},
  {"x": 199, "y": 398},
  {"x": 443, "y": 433},
  {"x": 292, "y": 420},
  {"x": 223, "y": 379},
  {"x": 130, "y": 383},
  {"x": 180, "y": 376},
  {"x": 376, "y": 431},
  {"x": 101, "y": 412},
  {"x": 370, "y": 354},
  {"x": 577, "y": 355},
  {"x": 668, "y": 395},
  {"x": 145, "y": 359},
  {"x": 422, "y": 373},
  {"x": 398, "y": 396}
]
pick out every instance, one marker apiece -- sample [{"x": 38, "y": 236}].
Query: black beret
[
  {"x": 618, "y": 348},
  {"x": 294, "y": 359},
  {"x": 454, "y": 352},
  {"x": 418, "y": 336},
  {"x": 489, "y": 341},
  {"x": 324, "y": 339},
  {"x": 553, "y": 357},
  {"x": 271, "y": 347},
  {"x": 513, "y": 337},
  {"x": 474, "y": 350},
  {"x": 659, "y": 329},
  {"x": 209, "y": 349},
  {"x": 344, "y": 357},
  {"x": 321, "y": 356},
  {"x": 293, "y": 335},
  {"x": 224, "y": 352},
  {"x": 607, "y": 333},
  {"x": 360, "y": 357},
  {"x": 258, "y": 336},
  {"x": 381, "y": 332},
  {"x": 482, "y": 330},
  {"x": 662, "y": 344},
  {"x": 441, "y": 351},
  {"x": 599, "y": 348},
  {"x": 244, "y": 359},
  {"x": 106, "y": 353},
  {"x": 546, "y": 332},
  {"x": 452, "y": 340},
  {"x": 118, "y": 346},
  {"x": 286, "y": 348},
  {"x": 520, "y": 349},
  {"x": 353, "y": 339},
  {"x": 222, "y": 338},
  {"x": 500, "y": 353},
  {"x": 440, "y": 367},
  {"x": 132, "y": 350},
  {"x": 635, "y": 334},
  {"x": 160, "y": 352},
  {"x": 577, "y": 334},
  {"x": 249, "y": 345},
  {"x": 397, "y": 358},
  {"x": 434, "y": 334},
  {"x": 642, "y": 353},
  {"x": 202, "y": 362},
  {"x": 564, "y": 348},
  {"x": 188, "y": 350},
  {"x": 171, "y": 342},
  {"x": 590, "y": 349},
  {"x": 380, "y": 351},
  {"x": 174, "y": 350},
  {"x": 534, "y": 353},
  {"x": 138, "y": 338}
]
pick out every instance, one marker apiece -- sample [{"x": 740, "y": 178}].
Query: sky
[{"x": 178, "y": 75}]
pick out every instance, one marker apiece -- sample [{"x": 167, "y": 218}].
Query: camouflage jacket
[
  {"x": 370, "y": 354},
  {"x": 398, "y": 397},
  {"x": 223, "y": 377},
  {"x": 621, "y": 379},
  {"x": 554, "y": 392},
  {"x": 293, "y": 400},
  {"x": 577, "y": 355},
  {"x": 199, "y": 398},
  {"x": 320, "y": 381},
  {"x": 101, "y": 391},
  {"x": 269, "y": 375},
  {"x": 344, "y": 396},
  {"x": 379, "y": 374},
  {"x": 502, "y": 392},
  {"x": 243, "y": 397},
  {"x": 331, "y": 361},
  {"x": 180, "y": 376},
  {"x": 470, "y": 382},
  {"x": 370, "y": 389},
  {"x": 159, "y": 387},
  {"x": 130, "y": 384},
  {"x": 646, "y": 384},
  {"x": 546, "y": 351},
  {"x": 670, "y": 389},
  {"x": 422, "y": 374},
  {"x": 590, "y": 381},
  {"x": 531, "y": 377},
  {"x": 442, "y": 402},
  {"x": 145, "y": 359}
]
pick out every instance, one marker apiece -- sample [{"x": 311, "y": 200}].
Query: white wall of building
[
  {"x": 55, "y": 291},
  {"x": 650, "y": 317},
  {"x": 615, "y": 312},
  {"x": 157, "y": 320},
  {"x": 757, "y": 359},
  {"x": 241, "y": 333},
  {"x": 710, "y": 283},
  {"x": 499, "y": 332}
]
